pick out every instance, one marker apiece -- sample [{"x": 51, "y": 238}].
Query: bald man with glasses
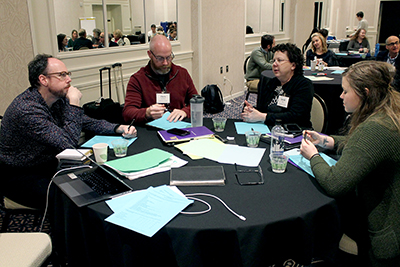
[
  {"x": 41, "y": 122},
  {"x": 391, "y": 56},
  {"x": 159, "y": 87}
]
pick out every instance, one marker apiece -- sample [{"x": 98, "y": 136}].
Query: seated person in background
[
  {"x": 102, "y": 42},
  {"x": 391, "y": 56},
  {"x": 369, "y": 163},
  {"x": 359, "y": 42},
  {"x": 96, "y": 37},
  {"x": 160, "y": 30},
  {"x": 120, "y": 39},
  {"x": 74, "y": 36},
  {"x": 288, "y": 96},
  {"x": 40, "y": 123},
  {"x": 62, "y": 42},
  {"x": 261, "y": 59},
  {"x": 82, "y": 41},
  {"x": 323, "y": 32},
  {"x": 159, "y": 79},
  {"x": 320, "y": 51},
  {"x": 172, "y": 35},
  {"x": 152, "y": 32}
]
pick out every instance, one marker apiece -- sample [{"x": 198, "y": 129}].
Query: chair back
[
  {"x": 246, "y": 61},
  {"x": 319, "y": 114}
]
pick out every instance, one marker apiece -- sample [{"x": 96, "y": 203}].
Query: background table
[
  {"x": 330, "y": 92},
  {"x": 287, "y": 217}
]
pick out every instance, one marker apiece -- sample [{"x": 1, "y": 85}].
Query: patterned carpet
[{"x": 233, "y": 107}]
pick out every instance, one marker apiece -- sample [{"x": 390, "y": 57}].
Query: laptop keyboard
[{"x": 98, "y": 183}]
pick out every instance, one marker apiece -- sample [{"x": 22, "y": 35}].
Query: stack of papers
[
  {"x": 73, "y": 154},
  {"x": 147, "y": 211},
  {"x": 146, "y": 163},
  {"x": 224, "y": 153},
  {"x": 163, "y": 123}
]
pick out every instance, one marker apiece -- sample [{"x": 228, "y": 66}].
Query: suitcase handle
[
  {"x": 116, "y": 65},
  {"x": 109, "y": 81}
]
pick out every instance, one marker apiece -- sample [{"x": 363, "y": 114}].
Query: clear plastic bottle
[{"x": 277, "y": 138}]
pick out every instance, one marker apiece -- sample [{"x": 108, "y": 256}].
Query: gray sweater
[{"x": 259, "y": 61}]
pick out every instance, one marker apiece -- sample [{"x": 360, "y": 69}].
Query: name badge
[
  {"x": 283, "y": 101},
  {"x": 163, "y": 98}
]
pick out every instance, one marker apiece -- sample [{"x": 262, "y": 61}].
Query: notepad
[
  {"x": 194, "y": 133},
  {"x": 198, "y": 175},
  {"x": 105, "y": 139},
  {"x": 243, "y": 127}
]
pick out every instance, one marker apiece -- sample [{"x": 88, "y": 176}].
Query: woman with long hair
[
  {"x": 359, "y": 42},
  {"x": 62, "y": 42},
  {"x": 319, "y": 50},
  {"x": 369, "y": 164}
]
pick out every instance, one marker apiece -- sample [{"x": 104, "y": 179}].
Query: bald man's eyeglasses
[
  {"x": 394, "y": 43},
  {"x": 161, "y": 59}
]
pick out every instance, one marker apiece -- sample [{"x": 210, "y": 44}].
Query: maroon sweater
[{"x": 144, "y": 85}]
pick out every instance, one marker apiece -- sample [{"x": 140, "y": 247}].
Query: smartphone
[
  {"x": 177, "y": 131},
  {"x": 292, "y": 128}
]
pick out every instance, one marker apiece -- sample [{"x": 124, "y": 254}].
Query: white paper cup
[
  {"x": 120, "y": 147},
  {"x": 100, "y": 151}
]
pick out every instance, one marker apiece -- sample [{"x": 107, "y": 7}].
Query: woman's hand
[
  {"x": 318, "y": 139},
  {"x": 250, "y": 114},
  {"x": 307, "y": 148}
]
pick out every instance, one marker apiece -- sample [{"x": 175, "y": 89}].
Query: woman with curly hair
[
  {"x": 319, "y": 50},
  {"x": 369, "y": 165},
  {"x": 288, "y": 96}
]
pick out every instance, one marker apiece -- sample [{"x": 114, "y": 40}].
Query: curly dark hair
[
  {"x": 294, "y": 54},
  {"x": 37, "y": 67}
]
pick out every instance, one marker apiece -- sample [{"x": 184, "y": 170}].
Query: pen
[{"x": 131, "y": 124}]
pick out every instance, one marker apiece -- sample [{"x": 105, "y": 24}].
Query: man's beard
[
  {"x": 160, "y": 70},
  {"x": 58, "y": 94}
]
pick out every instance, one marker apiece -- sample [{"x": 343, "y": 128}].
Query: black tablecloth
[
  {"x": 330, "y": 92},
  {"x": 287, "y": 217}
]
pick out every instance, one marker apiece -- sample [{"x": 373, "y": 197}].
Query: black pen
[{"x": 131, "y": 124}]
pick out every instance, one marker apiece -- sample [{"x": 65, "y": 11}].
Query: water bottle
[
  {"x": 196, "y": 110},
  {"x": 277, "y": 138},
  {"x": 377, "y": 47}
]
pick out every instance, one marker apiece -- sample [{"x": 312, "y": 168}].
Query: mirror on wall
[
  {"x": 128, "y": 21},
  {"x": 265, "y": 16}
]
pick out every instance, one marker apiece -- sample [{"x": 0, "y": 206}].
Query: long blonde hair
[
  {"x": 380, "y": 96},
  {"x": 323, "y": 42}
]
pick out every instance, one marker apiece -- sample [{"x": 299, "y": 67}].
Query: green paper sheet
[{"x": 141, "y": 161}]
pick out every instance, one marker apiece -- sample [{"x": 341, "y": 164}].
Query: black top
[
  {"x": 300, "y": 91},
  {"x": 82, "y": 42}
]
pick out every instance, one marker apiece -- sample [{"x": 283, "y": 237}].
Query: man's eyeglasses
[
  {"x": 394, "y": 43},
  {"x": 60, "y": 75},
  {"x": 249, "y": 176},
  {"x": 161, "y": 59},
  {"x": 279, "y": 60}
]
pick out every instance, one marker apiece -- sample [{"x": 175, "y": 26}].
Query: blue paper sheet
[
  {"x": 164, "y": 124},
  {"x": 304, "y": 164},
  {"x": 243, "y": 127},
  {"x": 149, "y": 210},
  {"x": 105, "y": 139}
]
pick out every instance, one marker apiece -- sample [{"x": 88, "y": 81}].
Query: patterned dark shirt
[{"x": 32, "y": 133}]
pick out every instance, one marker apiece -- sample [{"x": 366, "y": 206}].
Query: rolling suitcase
[{"x": 105, "y": 108}]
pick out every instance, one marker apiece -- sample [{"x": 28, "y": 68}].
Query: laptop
[{"x": 92, "y": 185}]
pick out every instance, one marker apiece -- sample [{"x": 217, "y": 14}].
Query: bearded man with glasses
[
  {"x": 391, "y": 56},
  {"x": 159, "y": 87},
  {"x": 41, "y": 122}
]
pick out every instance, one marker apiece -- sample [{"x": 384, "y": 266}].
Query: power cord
[
  {"x": 48, "y": 190},
  {"x": 190, "y": 196}
]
